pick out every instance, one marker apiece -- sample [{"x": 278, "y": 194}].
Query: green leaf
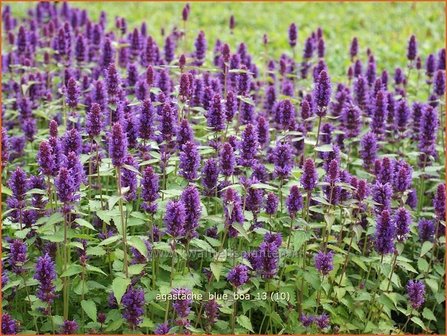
[
  {"x": 109, "y": 240},
  {"x": 419, "y": 322},
  {"x": 138, "y": 243},
  {"x": 95, "y": 251},
  {"x": 119, "y": 287},
  {"x": 244, "y": 322},
  {"x": 433, "y": 284},
  {"x": 241, "y": 230},
  {"x": 427, "y": 246},
  {"x": 202, "y": 245},
  {"x": 115, "y": 325},
  {"x": 428, "y": 314},
  {"x": 89, "y": 307},
  {"x": 58, "y": 237},
  {"x": 72, "y": 270},
  {"x": 135, "y": 269},
  {"x": 423, "y": 265},
  {"x": 84, "y": 223},
  {"x": 299, "y": 237},
  {"x": 216, "y": 268},
  {"x": 112, "y": 201}
]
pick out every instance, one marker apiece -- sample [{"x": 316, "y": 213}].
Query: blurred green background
[{"x": 384, "y": 27}]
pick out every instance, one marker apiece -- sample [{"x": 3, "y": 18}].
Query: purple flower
[
  {"x": 402, "y": 115},
  {"x": 45, "y": 275},
  {"x": 351, "y": 120},
  {"x": 439, "y": 83},
  {"x": 190, "y": 197},
  {"x": 282, "y": 158},
  {"x": 381, "y": 194},
  {"x": 184, "y": 133},
  {"x": 230, "y": 106},
  {"x": 17, "y": 255},
  {"x": 167, "y": 122},
  {"x": 402, "y": 220},
  {"x": 227, "y": 160},
  {"x": 361, "y": 94},
  {"x": 45, "y": 158},
  {"x": 9, "y": 325},
  {"x": 249, "y": 145},
  {"x": 238, "y": 275},
  {"x": 65, "y": 185},
  {"x": 216, "y": 115},
  {"x": 426, "y": 230},
  {"x": 379, "y": 113},
  {"x": 285, "y": 114},
  {"x": 117, "y": 145},
  {"x": 72, "y": 93},
  {"x": 211, "y": 311},
  {"x": 309, "y": 178},
  {"x": 113, "y": 82},
  {"x": 72, "y": 142},
  {"x": 4, "y": 147},
  {"x": 322, "y": 93},
  {"x": 402, "y": 176},
  {"x": 294, "y": 201},
  {"x": 428, "y": 132},
  {"x": 271, "y": 204},
  {"x": 189, "y": 161},
  {"x": 412, "y": 200},
  {"x": 385, "y": 233},
  {"x": 233, "y": 210},
  {"x": 387, "y": 169},
  {"x": 174, "y": 219},
  {"x": 368, "y": 149},
  {"x": 354, "y": 49},
  {"x": 182, "y": 301},
  {"x": 416, "y": 293},
  {"x": 322, "y": 321},
  {"x": 93, "y": 122},
  {"x": 412, "y": 48},
  {"x": 129, "y": 178},
  {"x": 430, "y": 66},
  {"x": 307, "y": 320},
  {"x": 69, "y": 327},
  {"x": 439, "y": 202},
  {"x": 210, "y": 174},
  {"x": 133, "y": 306},
  {"x": 162, "y": 329},
  {"x": 201, "y": 46},
  {"x": 293, "y": 35},
  {"x": 441, "y": 59},
  {"x": 169, "y": 49},
  {"x": 323, "y": 262}
]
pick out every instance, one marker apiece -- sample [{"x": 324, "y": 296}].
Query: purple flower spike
[
  {"x": 439, "y": 202},
  {"x": 426, "y": 230},
  {"x": 249, "y": 145},
  {"x": 439, "y": 83},
  {"x": 227, "y": 159},
  {"x": 282, "y": 158},
  {"x": 368, "y": 149},
  {"x": 271, "y": 204},
  {"x": 402, "y": 219},
  {"x": 294, "y": 201},
  {"x": 174, "y": 219},
  {"x": 45, "y": 275},
  {"x": 69, "y": 327},
  {"x": 182, "y": 302},
  {"x": 238, "y": 275},
  {"x": 322, "y": 93},
  {"x": 162, "y": 329},
  {"x": 149, "y": 190},
  {"x": 324, "y": 262},
  {"x": 94, "y": 120},
  {"x": 412, "y": 48},
  {"x": 133, "y": 304},
  {"x": 189, "y": 161},
  {"x": 309, "y": 178},
  {"x": 385, "y": 233},
  {"x": 193, "y": 210},
  {"x": 9, "y": 325},
  {"x": 293, "y": 35},
  {"x": 416, "y": 293},
  {"x": 117, "y": 145}
]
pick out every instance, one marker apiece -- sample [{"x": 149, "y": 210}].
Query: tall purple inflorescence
[
  {"x": 294, "y": 201},
  {"x": 322, "y": 93},
  {"x": 309, "y": 178},
  {"x": 117, "y": 145},
  {"x": 385, "y": 233},
  {"x": 189, "y": 161},
  {"x": 324, "y": 262},
  {"x": 416, "y": 293},
  {"x": 45, "y": 274},
  {"x": 133, "y": 306},
  {"x": 174, "y": 219}
]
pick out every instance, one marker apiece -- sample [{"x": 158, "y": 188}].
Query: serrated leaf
[
  {"x": 72, "y": 270},
  {"x": 216, "y": 268},
  {"x": 244, "y": 322},
  {"x": 418, "y": 321},
  {"x": 202, "y": 245},
  {"x": 89, "y": 307},
  {"x": 138, "y": 243},
  {"x": 83, "y": 222},
  {"x": 119, "y": 287},
  {"x": 109, "y": 240},
  {"x": 427, "y": 246}
]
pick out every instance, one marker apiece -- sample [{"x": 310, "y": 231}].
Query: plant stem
[{"x": 123, "y": 222}]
